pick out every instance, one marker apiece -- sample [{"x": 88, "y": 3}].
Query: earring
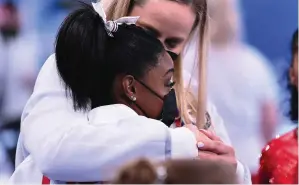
[{"x": 133, "y": 98}]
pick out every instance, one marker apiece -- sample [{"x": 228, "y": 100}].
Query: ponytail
[{"x": 80, "y": 50}]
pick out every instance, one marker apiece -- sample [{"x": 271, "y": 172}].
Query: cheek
[
  {"x": 155, "y": 108},
  {"x": 151, "y": 104},
  {"x": 296, "y": 69}
]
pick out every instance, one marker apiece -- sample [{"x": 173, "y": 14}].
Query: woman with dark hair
[
  {"x": 125, "y": 76},
  {"x": 279, "y": 160}
]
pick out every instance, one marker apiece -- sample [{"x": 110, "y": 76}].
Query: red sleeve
[{"x": 264, "y": 173}]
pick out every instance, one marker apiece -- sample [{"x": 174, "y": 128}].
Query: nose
[
  {"x": 173, "y": 55},
  {"x": 162, "y": 40}
]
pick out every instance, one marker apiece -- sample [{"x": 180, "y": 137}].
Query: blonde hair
[
  {"x": 184, "y": 171},
  {"x": 119, "y": 8}
]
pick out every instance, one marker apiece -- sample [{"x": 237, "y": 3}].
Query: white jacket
[
  {"x": 65, "y": 145},
  {"x": 103, "y": 145}
]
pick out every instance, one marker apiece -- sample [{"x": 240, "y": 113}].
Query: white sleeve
[
  {"x": 266, "y": 81},
  {"x": 243, "y": 174},
  {"x": 183, "y": 143},
  {"x": 218, "y": 124},
  {"x": 65, "y": 146},
  {"x": 217, "y": 121}
]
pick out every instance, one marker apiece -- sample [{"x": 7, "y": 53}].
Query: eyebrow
[
  {"x": 156, "y": 33},
  {"x": 169, "y": 71},
  {"x": 150, "y": 29}
]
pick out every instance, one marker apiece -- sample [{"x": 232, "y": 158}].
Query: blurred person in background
[
  {"x": 49, "y": 108},
  {"x": 240, "y": 83},
  {"x": 279, "y": 160},
  {"x": 6, "y": 167},
  {"x": 18, "y": 72},
  {"x": 177, "y": 172}
]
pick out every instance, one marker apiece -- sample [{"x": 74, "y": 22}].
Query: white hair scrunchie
[{"x": 112, "y": 26}]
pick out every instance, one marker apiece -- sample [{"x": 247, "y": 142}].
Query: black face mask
[{"x": 169, "y": 110}]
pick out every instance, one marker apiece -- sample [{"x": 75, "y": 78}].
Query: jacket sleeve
[
  {"x": 67, "y": 147},
  {"x": 218, "y": 127},
  {"x": 218, "y": 124}
]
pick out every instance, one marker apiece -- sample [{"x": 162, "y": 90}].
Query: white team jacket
[{"x": 73, "y": 146}]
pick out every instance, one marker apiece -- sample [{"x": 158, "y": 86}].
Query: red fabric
[
  {"x": 178, "y": 122},
  {"x": 45, "y": 180},
  {"x": 279, "y": 161},
  {"x": 254, "y": 178}
]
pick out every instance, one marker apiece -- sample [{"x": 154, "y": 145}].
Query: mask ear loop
[
  {"x": 133, "y": 100},
  {"x": 150, "y": 90},
  {"x": 156, "y": 94}
]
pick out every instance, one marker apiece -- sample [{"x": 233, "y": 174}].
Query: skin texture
[{"x": 164, "y": 20}]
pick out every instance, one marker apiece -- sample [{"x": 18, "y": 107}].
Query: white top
[
  {"x": 108, "y": 141},
  {"x": 239, "y": 82},
  {"x": 216, "y": 120},
  {"x": 62, "y": 143}
]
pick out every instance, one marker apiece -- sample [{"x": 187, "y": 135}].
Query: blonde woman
[
  {"x": 52, "y": 130},
  {"x": 250, "y": 117}
]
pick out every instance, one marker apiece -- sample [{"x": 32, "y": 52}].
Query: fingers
[
  {"x": 217, "y": 158},
  {"x": 210, "y": 135},
  {"x": 206, "y": 155},
  {"x": 216, "y": 147}
]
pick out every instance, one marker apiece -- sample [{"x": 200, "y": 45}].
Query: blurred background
[{"x": 28, "y": 29}]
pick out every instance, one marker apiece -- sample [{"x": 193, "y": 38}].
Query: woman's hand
[
  {"x": 211, "y": 147},
  {"x": 201, "y": 138},
  {"x": 216, "y": 146}
]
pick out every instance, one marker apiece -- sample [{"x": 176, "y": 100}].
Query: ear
[{"x": 128, "y": 85}]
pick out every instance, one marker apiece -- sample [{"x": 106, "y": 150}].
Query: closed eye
[
  {"x": 173, "y": 42},
  {"x": 171, "y": 84}
]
